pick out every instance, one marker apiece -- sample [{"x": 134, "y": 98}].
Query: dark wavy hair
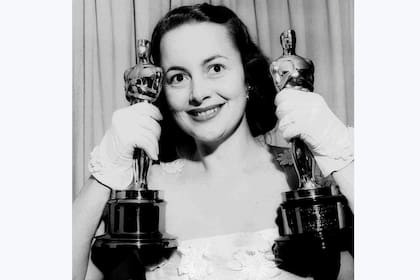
[{"x": 260, "y": 108}]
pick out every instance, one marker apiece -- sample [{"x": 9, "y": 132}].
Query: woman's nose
[{"x": 199, "y": 92}]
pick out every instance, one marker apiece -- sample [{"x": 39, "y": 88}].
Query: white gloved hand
[
  {"x": 134, "y": 126},
  {"x": 307, "y": 116}
]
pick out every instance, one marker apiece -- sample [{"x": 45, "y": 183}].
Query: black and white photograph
[
  {"x": 209, "y": 139},
  {"x": 213, "y": 140}
]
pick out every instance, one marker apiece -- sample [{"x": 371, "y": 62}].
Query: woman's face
[{"x": 204, "y": 80}]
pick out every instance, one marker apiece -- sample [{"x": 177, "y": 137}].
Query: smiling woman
[
  {"x": 221, "y": 68},
  {"x": 222, "y": 184},
  {"x": 209, "y": 101}
]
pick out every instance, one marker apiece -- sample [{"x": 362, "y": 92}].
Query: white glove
[
  {"x": 134, "y": 126},
  {"x": 307, "y": 116}
]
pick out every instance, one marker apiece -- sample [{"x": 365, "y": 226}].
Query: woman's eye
[
  {"x": 216, "y": 68},
  {"x": 177, "y": 79}
]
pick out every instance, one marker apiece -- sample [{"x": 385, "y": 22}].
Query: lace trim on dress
[{"x": 243, "y": 256}]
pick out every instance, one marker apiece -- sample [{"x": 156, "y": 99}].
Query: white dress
[{"x": 237, "y": 256}]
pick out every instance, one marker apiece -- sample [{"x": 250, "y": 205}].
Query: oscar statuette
[
  {"x": 313, "y": 219},
  {"x": 135, "y": 239}
]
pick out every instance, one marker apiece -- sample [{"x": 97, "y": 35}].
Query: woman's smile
[{"x": 202, "y": 114}]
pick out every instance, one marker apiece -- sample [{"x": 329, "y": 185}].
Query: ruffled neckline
[{"x": 240, "y": 255}]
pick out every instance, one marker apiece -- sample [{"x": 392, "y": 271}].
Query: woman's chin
[{"x": 209, "y": 139}]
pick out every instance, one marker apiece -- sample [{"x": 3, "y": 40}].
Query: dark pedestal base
[{"x": 129, "y": 262}]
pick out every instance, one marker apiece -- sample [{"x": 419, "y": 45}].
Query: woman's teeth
[
  {"x": 206, "y": 113},
  {"x": 200, "y": 115}
]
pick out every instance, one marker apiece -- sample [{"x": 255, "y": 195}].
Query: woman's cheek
[
  {"x": 177, "y": 99},
  {"x": 232, "y": 85}
]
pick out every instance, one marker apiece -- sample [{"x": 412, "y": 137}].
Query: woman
[{"x": 222, "y": 185}]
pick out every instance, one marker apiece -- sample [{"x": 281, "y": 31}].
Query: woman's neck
[{"x": 237, "y": 151}]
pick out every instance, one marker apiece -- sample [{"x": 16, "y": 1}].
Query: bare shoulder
[{"x": 165, "y": 174}]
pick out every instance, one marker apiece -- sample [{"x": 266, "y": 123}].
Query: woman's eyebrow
[
  {"x": 176, "y": 68},
  {"x": 207, "y": 60}
]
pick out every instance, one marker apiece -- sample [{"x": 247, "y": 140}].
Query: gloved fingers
[
  {"x": 288, "y": 126},
  {"x": 124, "y": 143},
  {"x": 285, "y": 110},
  {"x": 308, "y": 108},
  {"x": 148, "y": 109},
  {"x": 291, "y": 100},
  {"x": 290, "y": 131},
  {"x": 298, "y": 118},
  {"x": 309, "y": 125},
  {"x": 146, "y": 123},
  {"x": 285, "y": 122},
  {"x": 126, "y": 126},
  {"x": 127, "y": 115},
  {"x": 148, "y": 143}
]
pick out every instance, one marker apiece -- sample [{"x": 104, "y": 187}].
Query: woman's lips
[{"x": 205, "y": 113}]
